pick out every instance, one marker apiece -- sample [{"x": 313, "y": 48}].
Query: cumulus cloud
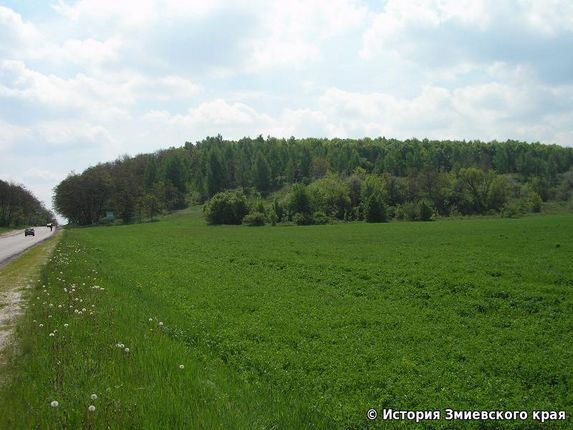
[{"x": 92, "y": 79}]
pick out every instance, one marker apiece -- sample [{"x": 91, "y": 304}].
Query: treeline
[
  {"x": 379, "y": 198},
  {"x": 453, "y": 177},
  {"x": 19, "y": 207}
]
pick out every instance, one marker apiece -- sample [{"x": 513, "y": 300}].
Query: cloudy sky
[{"x": 86, "y": 81}]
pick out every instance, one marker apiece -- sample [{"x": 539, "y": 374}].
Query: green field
[{"x": 293, "y": 327}]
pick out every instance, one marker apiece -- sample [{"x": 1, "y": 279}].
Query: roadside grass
[
  {"x": 5, "y": 230},
  {"x": 294, "y": 327},
  {"x": 14, "y": 278}
]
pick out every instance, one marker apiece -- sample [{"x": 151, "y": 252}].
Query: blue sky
[{"x": 85, "y": 81}]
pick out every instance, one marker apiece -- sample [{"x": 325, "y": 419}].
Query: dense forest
[
  {"x": 314, "y": 180},
  {"x": 19, "y": 207}
]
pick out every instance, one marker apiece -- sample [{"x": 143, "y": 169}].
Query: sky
[{"x": 86, "y": 81}]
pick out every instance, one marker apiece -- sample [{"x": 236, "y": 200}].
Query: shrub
[
  {"x": 535, "y": 202},
  {"x": 302, "y": 219},
  {"x": 409, "y": 211},
  {"x": 299, "y": 200},
  {"x": 320, "y": 218},
  {"x": 514, "y": 209},
  {"x": 254, "y": 219},
  {"x": 228, "y": 207},
  {"x": 375, "y": 209},
  {"x": 425, "y": 211}
]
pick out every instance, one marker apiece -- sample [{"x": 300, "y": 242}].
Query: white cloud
[
  {"x": 15, "y": 33},
  {"x": 42, "y": 174},
  {"x": 97, "y": 78},
  {"x": 293, "y": 31},
  {"x": 10, "y": 134}
]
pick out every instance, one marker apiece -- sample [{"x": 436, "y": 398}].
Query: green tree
[
  {"x": 375, "y": 208},
  {"x": 227, "y": 207},
  {"x": 299, "y": 200},
  {"x": 215, "y": 174},
  {"x": 262, "y": 173}
]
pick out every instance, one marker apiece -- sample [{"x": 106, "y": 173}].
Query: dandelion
[
  {"x": 126, "y": 350},
  {"x": 91, "y": 408},
  {"x": 93, "y": 396},
  {"x": 60, "y": 306},
  {"x": 52, "y": 334},
  {"x": 54, "y": 404},
  {"x": 49, "y": 316},
  {"x": 150, "y": 319},
  {"x": 83, "y": 309},
  {"x": 41, "y": 325},
  {"x": 120, "y": 345},
  {"x": 66, "y": 324},
  {"x": 160, "y": 323},
  {"x": 181, "y": 367}
]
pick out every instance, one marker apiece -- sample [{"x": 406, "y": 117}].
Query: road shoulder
[{"x": 15, "y": 277}]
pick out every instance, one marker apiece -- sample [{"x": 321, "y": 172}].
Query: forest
[
  {"x": 312, "y": 181},
  {"x": 19, "y": 207}
]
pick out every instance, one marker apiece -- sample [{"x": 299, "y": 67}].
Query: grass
[
  {"x": 5, "y": 230},
  {"x": 292, "y": 327},
  {"x": 14, "y": 277}
]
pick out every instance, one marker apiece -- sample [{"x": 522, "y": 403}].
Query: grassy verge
[
  {"x": 5, "y": 230},
  {"x": 14, "y": 278},
  {"x": 290, "y": 327}
]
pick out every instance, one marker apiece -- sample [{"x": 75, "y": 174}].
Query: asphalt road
[{"x": 14, "y": 243}]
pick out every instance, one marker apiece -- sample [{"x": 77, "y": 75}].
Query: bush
[
  {"x": 254, "y": 219},
  {"x": 514, "y": 209},
  {"x": 320, "y": 218},
  {"x": 425, "y": 211},
  {"x": 409, "y": 211},
  {"x": 375, "y": 209},
  {"x": 228, "y": 207},
  {"x": 535, "y": 202},
  {"x": 302, "y": 219}
]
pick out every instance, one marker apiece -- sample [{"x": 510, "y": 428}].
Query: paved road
[{"x": 15, "y": 242}]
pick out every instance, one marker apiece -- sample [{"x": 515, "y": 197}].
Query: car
[{"x": 29, "y": 232}]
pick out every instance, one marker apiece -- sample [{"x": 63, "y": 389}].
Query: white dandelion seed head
[
  {"x": 91, "y": 408},
  {"x": 181, "y": 366},
  {"x": 126, "y": 350},
  {"x": 160, "y": 323},
  {"x": 66, "y": 324},
  {"x": 41, "y": 325},
  {"x": 93, "y": 396},
  {"x": 52, "y": 334},
  {"x": 54, "y": 404}
]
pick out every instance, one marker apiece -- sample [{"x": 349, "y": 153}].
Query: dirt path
[{"x": 15, "y": 277}]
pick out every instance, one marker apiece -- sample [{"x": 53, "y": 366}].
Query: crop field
[{"x": 176, "y": 324}]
